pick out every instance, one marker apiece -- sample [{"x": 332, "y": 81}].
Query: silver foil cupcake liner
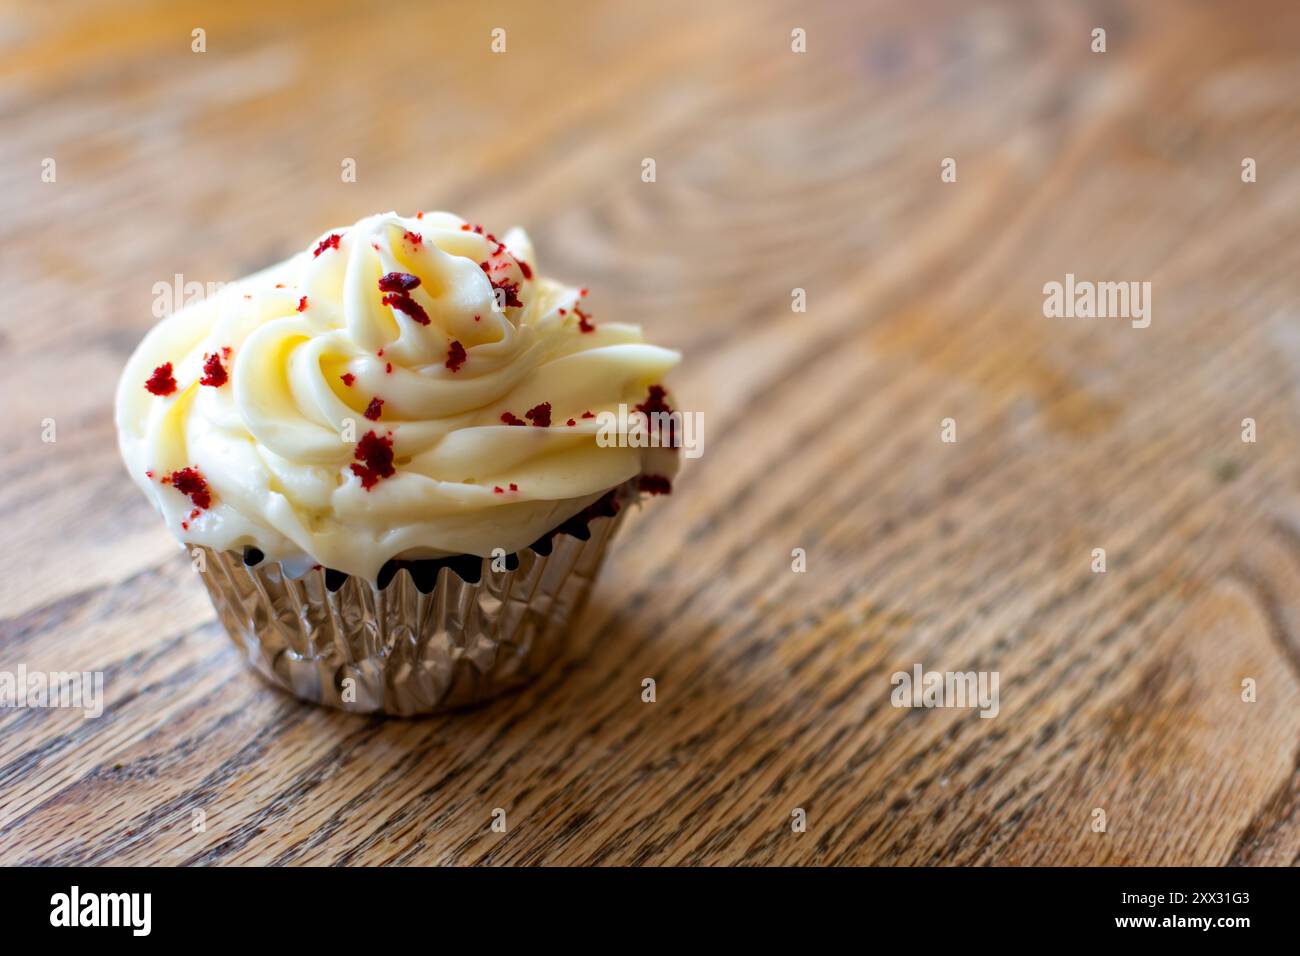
[{"x": 397, "y": 650}]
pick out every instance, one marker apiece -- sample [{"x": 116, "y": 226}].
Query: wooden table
[{"x": 1120, "y": 691}]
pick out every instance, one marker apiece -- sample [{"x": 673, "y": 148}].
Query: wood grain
[{"x": 775, "y": 171}]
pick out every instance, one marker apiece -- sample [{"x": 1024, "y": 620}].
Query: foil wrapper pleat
[{"x": 399, "y": 651}]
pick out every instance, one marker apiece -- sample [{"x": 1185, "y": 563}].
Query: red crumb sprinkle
[
  {"x": 375, "y": 455},
  {"x": 456, "y": 356},
  {"x": 511, "y": 289},
  {"x": 388, "y": 368},
  {"x": 420, "y": 214},
  {"x": 225, "y": 351},
  {"x": 161, "y": 381},
  {"x": 513, "y": 486},
  {"x": 588, "y": 415},
  {"x": 398, "y": 282},
  {"x": 584, "y": 320},
  {"x": 498, "y": 490},
  {"x": 148, "y": 474},
  {"x": 653, "y": 404},
  {"x": 510, "y": 419},
  {"x": 214, "y": 373},
  {"x": 402, "y": 301},
  {"x": 302, "y": 304},
  {"x": 414, "y": 238},
  {"x": 564, "y": 312},
  {"x": 374, "y": 409},
  {"x": 380, "y": 353},
  {"x": 655, "y": 485},
  {"x": 478, "y": 318},
  {"x": 329, "y": 242},
  {"x": 540, "y": 415},
  {"x": 525, "y": 269},
  {"x": 348, "y": 379},
  {"x": 570, "y": 423},
  {"x": 582, "y": 292},
  {"x": 190, "y": 481},
  {"x": 654, "y": 401}
]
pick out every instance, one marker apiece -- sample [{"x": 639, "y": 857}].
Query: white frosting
[{"x": 276, "y": 442}]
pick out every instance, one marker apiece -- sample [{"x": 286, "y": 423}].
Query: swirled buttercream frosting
[{"x": 406, "y": 387}]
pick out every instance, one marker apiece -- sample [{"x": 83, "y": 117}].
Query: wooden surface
[{"x": 775, "y": 170}]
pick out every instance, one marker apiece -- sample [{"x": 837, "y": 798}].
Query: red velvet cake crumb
[
  {"x": 348, "y": 379},
  {"x": 190, "y": 481},
  {"x": 214, "y": 373},
  {"x": 654, "y": 401},
  {"x": 653, "y": 404},
  {"x": 511, "y": 289},
  {"x": 540, "y": 415},
  {"x": 374, "y": 409},
  {"x": 510, "y": 419},
  {"x": 584, "y": 320},
  {"x": 375, "y": 455},
  {"x": 161, "y": 381},
  {"x": 456, "y": 356},
  {"x": 302, "y": 304},
  {"x": 398, "y": 282},
  {"x": 402, "y": 301},
  {"x": 329, "y": 242}
]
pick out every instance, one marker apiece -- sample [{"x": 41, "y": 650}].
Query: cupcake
[{"x": 392, "y": 458}]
